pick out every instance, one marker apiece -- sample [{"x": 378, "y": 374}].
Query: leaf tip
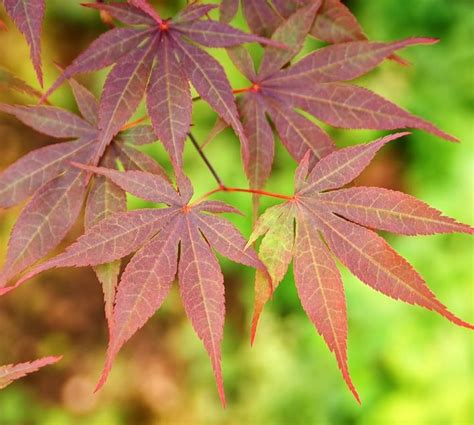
[{"x": 345, "y": 374}]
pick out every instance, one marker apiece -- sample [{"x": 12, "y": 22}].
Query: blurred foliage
[{"x": 410, "y": 366}]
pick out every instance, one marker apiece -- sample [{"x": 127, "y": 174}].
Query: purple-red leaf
[
  {"x": 86, "y": 102},
  {"x": 10, "y": 81},
  {"x": 391, "y": 211},
  {"x": 194, "y": 11},
  {"x": 159, "y": 233},
  {"x": 169, "y": 101},
  {"x": 44, "y": 222},
  {"x": 28, "y": 16},
  {"x": 348, "y": 106},
  {"x": 241, "y": 58},
  {"x": 145, "y": 7},
  {"x": 292, "y": 32},
  {"x": 202, "y": 289},
  {"x": 344, "y": 165},
  {"x": 298, "y": 133},
  {"x": 109, "y": 240},
  {"x": 336, "y": 24},
  {"x": 225, "y": 237},
  {"x": 123, "y": 91},
  {"x": 261, "y": 17},
  {"x": 139, "y": 135},
  {"x": 52, "y": 121},
  {"x": 218, "y": 34},
  {"x": 162, "y": 50},
  {"x": 58, "y": 195},
  {"x": 313, "y": 85},
  {"x": 103, "y": 51},
  {"x": 11, "y": 373},
  {"x": 144, "y": 285},
  {"x": 321, "y": 291},
  {"x": 260, "y": 137},
  {"x": 105, "y": 199},
  {"x": 133, "y": 159},
  {"x": 24, "y": 177},
  {"x": 365, "y": 253},
  {"x": 373, "y": 261},
  {"x": 228, "y": 9},
  {"x": 126, "y": 13},
  {"x": 144, "y": 185},
  {"x": 209, "y": 79},
  {"x": 341, "y": 62}
]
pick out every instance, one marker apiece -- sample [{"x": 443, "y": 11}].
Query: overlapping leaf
[
  {"x": 10, "y": 81},
  {"x": 334, "y": 22},
  {"x": 344, "y": 219},
  {"x": 57, "y": 190},
  {"x": 28, "y": 17},
  {"x": 11, "y": 373},
  {"x": 317, "y": 85},
  {"x": 156, "y": 235},
  {"x": 134, "y": 50}
]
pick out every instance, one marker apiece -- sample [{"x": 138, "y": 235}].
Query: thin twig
[{"x": 206, "y": 161}]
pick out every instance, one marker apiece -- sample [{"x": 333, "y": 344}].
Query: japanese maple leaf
[
  {"x": 334, "y": 22},
  {"x": 58, "y": 190},
  {"x": 10, "y": 81},
  {"x": 28, "y": 16},
  {"x": 158, "y": 235},
  {"x": 315, "y": 84},
  {"x": 155, "y": 56},
  {"x": 11, "y": 373},
  {"x": 323, "y": 218}
]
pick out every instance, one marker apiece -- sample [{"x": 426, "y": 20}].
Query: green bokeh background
[{"x": 409, "y": 365}]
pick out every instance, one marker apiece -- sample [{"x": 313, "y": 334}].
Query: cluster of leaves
[{"x": 158, "y": 59}]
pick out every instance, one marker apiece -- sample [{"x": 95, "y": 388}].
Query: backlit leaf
[
  {"x": 361, "y": 250},
  {"x": 157, "y": 234}
]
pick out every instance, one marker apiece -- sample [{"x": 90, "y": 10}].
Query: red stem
[
  {"x": 223, "y": 188},
  {"x": 134, "y": 123}
]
